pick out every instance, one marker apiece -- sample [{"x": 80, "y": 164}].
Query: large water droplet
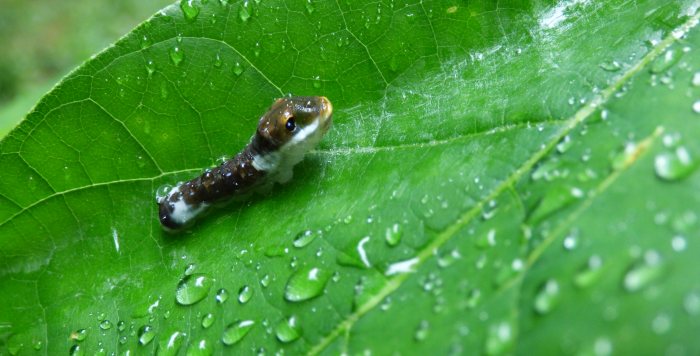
[
  {"x": 201, "y": 347},
  {"x": 176, "y": 55},
  {"x": 236, "y": 331},
  {"x": 547, "y": 297},
  {"x": 189, "y": 9},
  {"x": 192, "y": 289},
  {"x": 146, "y": 334},
  {"x": 244, "y": 294},
  {"x": 642, "y": 274},
  {"x": 221, "y": 296},
  {"x": 208, "y": 320},
  {"x": 674, "y": 165},
  {"x": 306, "y": 283},
  {"x": 305, "y": 237},
  {"x": 78, "y": 335},
  {"x": 288, "y": 330},
  {"x": 171, "y": 345},
  {"x": 393, "y": 234}
]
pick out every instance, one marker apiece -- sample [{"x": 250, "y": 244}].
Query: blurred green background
[{"x": 41, "y": 41}]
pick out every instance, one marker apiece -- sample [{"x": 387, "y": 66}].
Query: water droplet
[
  {"x": 612, "y": 66},
  {"x": 236, "y": 331},
  {"x": 306, "y": 283},
  {"x": 499, "y": 339},
  {"x": 105, "y": 325},
  {"x": 317, "y": 82},
  {"x": 642, "y": 274},
  {"x": 244, "y": 294},
  {"x": 256, "y": 50},
  {"x": 691, "y": 303},
  {"x": 237, "y": 69},
  {"x": 393, "y": 234},
  {"x": 305, "y": 237},
  {"x": 189, "y": 9},
  {"x": 171, "y": 345},
  {"x": 661, "y": 324},
  {"x": 146, "y": 334},
  {"x": 75, "y": 350},
  {"x": 176, "y": 55},
  {"x": 570, "y": 241},
  {"x": 265, "y": 281},
  {"x": 487, "y": 240},
  {"x": 696, "y": 107},
  {"x": 696, "y": 79},
  {"x": 564, "y": 144},
  {"x": 244, "y": 13},
  {"x": 78, "y": 335},
  {"x": 622, "y": 158},
  {"x": 37, "y": 344},
  {"x": 221, "y": 296},
  {"x": 590, "y": 273},
  {"x": 145, "y": 42},
  {"x": 674, "y": 165},
  {"x": 101, "y": 316},
  {"x": 192, "y": 289},
  {"x": 449, "y": 258},
  {"x": 678, "y": 243},
  {"x": 422, "y": 331},
  {"x": 150, "y": 67},
  {"x": 200, "y": 348},
  {"x": 217, "y": 61},
  {"x": 208, "y": 320},
  {"x": 309, "y": 7},
  {"x": 547, "y": 297},
  {"x": 288, "y": 330},
  {"x": 666, "y": 61}
]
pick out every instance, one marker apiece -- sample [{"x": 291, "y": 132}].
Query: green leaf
[{"x": 500, "y": 177}]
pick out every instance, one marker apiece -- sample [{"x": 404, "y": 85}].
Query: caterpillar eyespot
[
  {"x": 290, "y": 125},
  {"x": 290, "y": 128}
]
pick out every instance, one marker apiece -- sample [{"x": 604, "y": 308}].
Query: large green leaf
[{"x": 500, "y": 177}]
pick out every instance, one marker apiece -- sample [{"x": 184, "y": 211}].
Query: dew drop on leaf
[
  {"x": 590, "y": 273},
  {"x": 145, "y": 42},
  {"x": 611, "y": 66},
  {"x": 150, "y": 67},
  {"x": 237, "y": 69},
  {"x": 691, "y": 303},
  {"x": 121, "y": 325},
  {"x": 265, "y": 281},
  {"x": 78, "y": 335},
  {"x": 309, "y": 7},
  {"x": 189, "y": 9},
  {"x": 422, "y": 331},
  {"x": 192, "y": 289},
  {"x": 201, "y": 347},
  {"x": 221, "y": 296},
  {"x": 393, "y": 234},
  {"x": 244, "y": 13},
  {"x": 547, "y": 297},
  {"x": 208, "y": 320},
  {"x": 176, "y": 55},
  {"x": 317, "y": 82},
  {"x": 75, "y": 350},
  {"x": 217, "y": 61},
  {"x": 105, "y": 325},
  {"x": 305, "y": 237},
  {"x": 499, "y": 338},
  {"x": 306, "y": 283},
  {"x": 643, "y": 273},
  {"x": 674, "y": 165},
  {"x": 171, "y": 345},
  {"x": 146, "y": 334},
  {"x": 666, "y": 60},
  {"x": 244, "y": 294},
  {"x": 236, "y": 331},
  {"x": 288, "y": 330}
]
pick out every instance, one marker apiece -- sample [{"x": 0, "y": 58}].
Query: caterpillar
[{"x": 291, "y": 127}]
